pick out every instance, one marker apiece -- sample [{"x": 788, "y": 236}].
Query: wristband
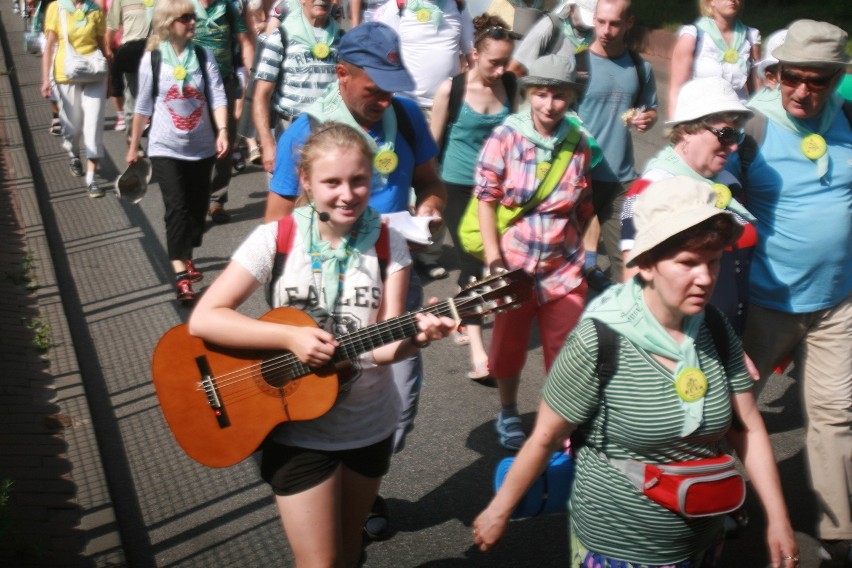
[{"x": 225, "y": 128}]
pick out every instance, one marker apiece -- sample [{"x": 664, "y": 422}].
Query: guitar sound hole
[{"x": 276, "y": 381}]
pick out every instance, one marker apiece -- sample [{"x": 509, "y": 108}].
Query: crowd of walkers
[{"x": 511, "y": 131}]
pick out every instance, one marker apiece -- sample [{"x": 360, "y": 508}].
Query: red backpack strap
[
  {"x": 383, "y": 250},
  {"x": 283, "y": 244}
]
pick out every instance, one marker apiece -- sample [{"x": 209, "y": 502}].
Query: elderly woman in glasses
[
  {"x": 188, "y": 110},
  {"x": 705, "y": 130}
]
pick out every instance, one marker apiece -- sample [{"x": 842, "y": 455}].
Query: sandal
[
  {"x": 460, "y": 336},
  {"x": 479, "y": 372},
  {"x": 510, "y": 432}
]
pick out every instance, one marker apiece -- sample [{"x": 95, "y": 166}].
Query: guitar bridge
[{"x": 208, "y": 383}]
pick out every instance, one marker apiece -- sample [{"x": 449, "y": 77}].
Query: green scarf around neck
[
  {"x": 300, "y": 29},
  {"x": 79, "y": 15},
  {"x": 206, "y": 17},
  {"x": 670, "y": 161},
  {"x": 184, "y": 65},
  {"x": 522, "y": 122},
  {"x": 727, "y": 53},
  {"x": 768, "y": 103},
  {"x": 334, "y": 263},
  {"x": 622, "y": 307}
]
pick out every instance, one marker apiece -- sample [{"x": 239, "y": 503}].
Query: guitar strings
[{"x": 283, "y": 366}]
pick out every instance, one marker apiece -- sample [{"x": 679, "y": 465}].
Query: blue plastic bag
[{"x": 549, "y": 494}]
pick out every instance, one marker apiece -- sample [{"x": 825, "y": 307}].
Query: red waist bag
[{"x": 699, "y": 488}]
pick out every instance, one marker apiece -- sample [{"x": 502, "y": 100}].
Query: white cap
[
  {"x": 586, "y": 11},
  {"x": 772, "y": 43},
  {"x": 706, "y": 96}
]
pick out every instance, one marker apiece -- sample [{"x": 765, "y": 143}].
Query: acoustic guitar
[{"x": 221, "y": 403}]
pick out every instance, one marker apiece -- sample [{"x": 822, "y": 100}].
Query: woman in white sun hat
[{"x": 705, "y": 130}]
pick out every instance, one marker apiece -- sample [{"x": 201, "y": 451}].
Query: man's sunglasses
[
  {"x": 790, "y": 79},
  {"x": 727, "y": 136},
  {"x": 186, "y": 18}
]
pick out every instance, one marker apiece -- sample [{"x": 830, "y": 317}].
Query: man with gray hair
[{"x": 799, "y": 187}]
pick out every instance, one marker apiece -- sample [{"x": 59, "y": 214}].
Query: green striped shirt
[{"x": 640, "y": 417}]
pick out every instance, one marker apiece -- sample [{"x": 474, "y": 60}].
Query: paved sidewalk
[{"x": 58, "y": 511}]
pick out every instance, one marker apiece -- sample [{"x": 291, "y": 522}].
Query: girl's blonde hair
[
  {"x": 325, "y": 138},
  {"x": 165, "y": 12}
]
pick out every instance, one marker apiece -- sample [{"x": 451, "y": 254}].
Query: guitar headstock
[{"x": 494, "y": 293}]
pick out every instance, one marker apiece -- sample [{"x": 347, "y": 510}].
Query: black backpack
[{"x": 201, "y": 54}]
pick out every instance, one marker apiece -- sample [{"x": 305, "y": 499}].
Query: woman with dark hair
[
  {"x": 482, "y": 103},
  {"x": 189, "y": 118},
  {"x": 671, "y": 402},
  {"x": 706, "y": 129}
]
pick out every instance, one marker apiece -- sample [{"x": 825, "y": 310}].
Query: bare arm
[
  {"x": 46, "y": 59},
  {"x": 550, "y": 430},
  {"x": 355, "y": 12},
  {"x": 247, "y": 45},
  {"x": 753, "y": 82},
  {"x": 109, "y": 39},
  {"x": 517, "y": 68},
  {"x": 440, "y": 112},
  {"x": 260, "y": 114},
  {"x": 277, "y": 206},
  {"x": 754, "y": 449},
  {"x": 429, "y": 189},
  {"x": 681, "y": 67},
  {"x": 487, "y": 212}
]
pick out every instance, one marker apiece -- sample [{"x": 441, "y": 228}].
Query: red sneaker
[
  {"x": 194, "y": 274},
  {"x": 184, "y": 290}
]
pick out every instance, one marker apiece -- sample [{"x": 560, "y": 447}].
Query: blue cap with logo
[{"x": 374, "y": 47}]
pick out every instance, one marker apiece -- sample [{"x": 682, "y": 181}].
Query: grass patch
[{"x": 41, "y": 333}]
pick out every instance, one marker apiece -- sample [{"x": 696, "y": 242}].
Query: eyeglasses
[
  {"x": 790, "y": 79},
  {"x": 186, "y": 18},
  {"x": 726, "y": 136}
]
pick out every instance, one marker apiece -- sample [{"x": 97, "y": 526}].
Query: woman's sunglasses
[
  {"x": 496, "y": 32},
  {"x": 790, "y": 79},
  {"x": 186, "y": 18},
  {"x": 727, "y": 136}
]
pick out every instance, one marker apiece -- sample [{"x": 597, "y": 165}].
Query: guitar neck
[{"x": 368, "y": 338}]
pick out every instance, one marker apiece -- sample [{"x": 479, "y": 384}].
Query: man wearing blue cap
[{"x": 369, "y": 72}]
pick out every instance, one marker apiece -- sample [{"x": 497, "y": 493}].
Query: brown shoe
[{"x": 218, "y": 214}]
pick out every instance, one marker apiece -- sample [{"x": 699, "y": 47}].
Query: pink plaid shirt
[{"x": 546, "y": 242}]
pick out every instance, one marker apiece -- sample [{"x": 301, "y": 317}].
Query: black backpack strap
[
  {"x": 510, "y": 83},
  {"x": 847, "y": 110},
  {"x": 716, "y": 324},
  {"x": 404, "y": 125},
  {"x": 201, "y": 54},
  {"x": 638, "y": 65},
  {"x": 454, "y": 105},
  {"x": 605, "y": 369},
  {"x": 156, "y": 60},
  {"x": 556, "y": 36}
]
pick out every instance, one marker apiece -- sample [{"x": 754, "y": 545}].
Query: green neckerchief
[
  {"x": 768, "y": 103},
  {"x": 334, "y": 263},
  {"x": 329, "y": 107},
  {"x": 427, "y": 10},
  {"x": 623, "y": 308},
  {"x": 207, "y": 16},
  {"x": 184, "y": 65},
  {"x": 300, "y": 29},
  {"x": 149, "y": 9},
  {"x": 522, "y": 122},
  {"x": 78, "y": 14},
  {"x": 670, "y": 161},
  {"x": 597, "y": 151},
  {"x": 709, "y": 27},
  {"x": 535, "y": 4},
  {"x": 580, "y": 42}
]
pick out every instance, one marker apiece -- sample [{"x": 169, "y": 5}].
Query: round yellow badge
[
  {"x": 723, "y": 195},
  {"x": 179, "y": 72},
  {"x": 541, "y": 170},
  {"x": 148, "y": 3},
  {"x": 386, "y": 161},
  {"x": 423, "y": 15},
  {"x": 320, "y": 50},
  {"x": 813, "y": 146},
  {"x": 79, "y": 15},
  {"x": 731, "y": 56},
  {"x": 691, "y": 384}
]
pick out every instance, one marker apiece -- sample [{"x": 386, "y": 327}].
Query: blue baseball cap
[{"x": 374, "y": 47}]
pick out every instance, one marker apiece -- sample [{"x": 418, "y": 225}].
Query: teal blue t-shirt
[{"x": 464, "y": 142}]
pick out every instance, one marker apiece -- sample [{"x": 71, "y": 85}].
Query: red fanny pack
[{"x": 700, "y": 488}]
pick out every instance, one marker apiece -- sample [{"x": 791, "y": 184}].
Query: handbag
[
  {"x": 696, "y": 488},
  {"x": 470, "y": 236},
  {"x": 548, "y": 495},
  {"x": 82, "y": 68}
]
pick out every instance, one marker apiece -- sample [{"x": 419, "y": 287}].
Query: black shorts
[{"x": 291, "y": 470}]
